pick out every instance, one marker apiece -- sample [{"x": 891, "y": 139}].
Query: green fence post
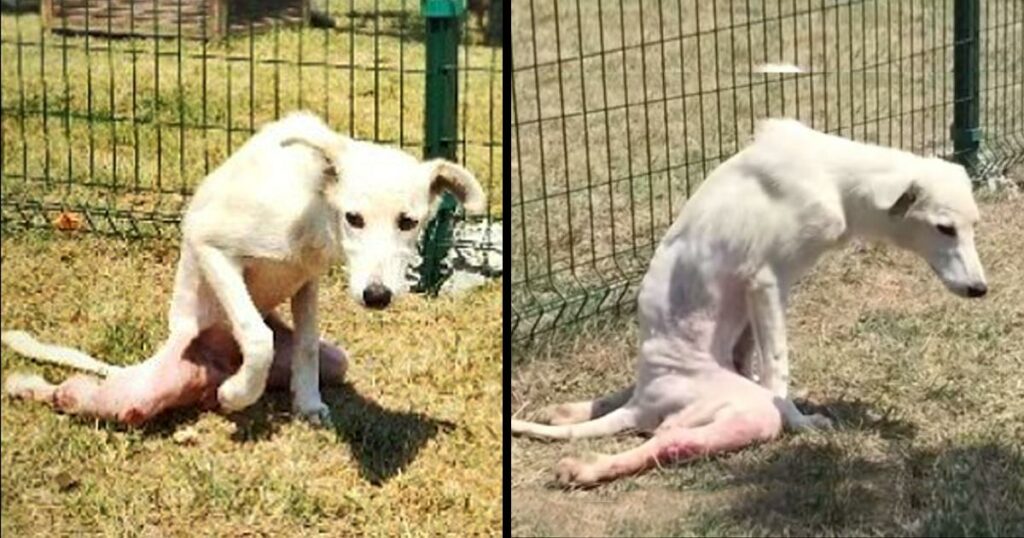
[
  {"x": 496, "y": 22},
  {"x": 443, "y": 20},
  {"x": 965, "y": 132}
]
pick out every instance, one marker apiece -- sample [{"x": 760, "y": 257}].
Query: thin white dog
[
  {"x": 718, "y": 284},
  {"x": 262, "y": 229}
]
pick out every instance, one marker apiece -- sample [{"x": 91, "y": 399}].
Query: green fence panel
[
  {"x": 621, "y": 107},
  {"x": 113, "y": 110}
]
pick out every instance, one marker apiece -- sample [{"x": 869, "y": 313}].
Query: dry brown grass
[
  {"x": 926, "y": 389},
  {"x": 413, "y": 450},
  {"x": 622, "y": 108}
]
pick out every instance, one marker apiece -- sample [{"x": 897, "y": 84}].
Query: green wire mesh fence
[
  {"x": 621, "y": 107},
  {"x": 114, "y": 110}
]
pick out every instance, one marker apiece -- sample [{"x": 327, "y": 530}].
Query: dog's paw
[
  {"x": 237, "y": 393},
  {"x": 821, "y": 422},
  {"x": 316, "y": 413},
  {"x": 568, "y": 472},
  {"x": 815, "y": 422},
  {"x": 26, "y": 386},
  {"x": 574, "y": 472}
]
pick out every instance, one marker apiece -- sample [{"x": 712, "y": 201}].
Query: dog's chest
[{"x": 271, "y": 283}]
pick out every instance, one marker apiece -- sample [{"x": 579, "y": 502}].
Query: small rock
[{"x": 186, "y": 436}]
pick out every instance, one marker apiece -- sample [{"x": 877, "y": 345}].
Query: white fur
[
  {"x": 21, "y": 385},
  {"x": 264, "y": 226},
  {"x": 24, "y": 343},
  {"x": 756, "y": 225}
]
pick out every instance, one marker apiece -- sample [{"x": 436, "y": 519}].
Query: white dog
[
  {"x": 718, "y": 283},
  {"x": 260, "y": 230}
]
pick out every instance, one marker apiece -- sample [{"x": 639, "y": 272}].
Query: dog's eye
[
  {"x": 406, "y": 223},
  {"x": 354, "y": 220},
  {"x": 946, "y": 230}
]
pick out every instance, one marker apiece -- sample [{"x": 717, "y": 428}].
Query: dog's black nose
[
  {"x": 376, "y": 296},
  {"x": 977, "y": 291}
]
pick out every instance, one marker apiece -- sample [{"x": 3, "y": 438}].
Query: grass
[
  {"x": 622, "y": 108},
  {"x": 415, "y": 439},
  {"x": 135, "y": 124},
  {"x": 925, "y": 389}
]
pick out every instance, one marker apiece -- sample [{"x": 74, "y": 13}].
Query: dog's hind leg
[
  {"x": 576, "y": 412},
  {"x": 73, "y": 396},
  {"x": 178, "y": 375},
  {"x": 621, "y": 419},
  {"x": 675, "y": 440},
  {"x": 333, "y": 359},
  {"x": 29, "y": 387}
]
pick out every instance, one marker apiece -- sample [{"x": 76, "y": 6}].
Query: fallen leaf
[{"x": 68, "y": 221}]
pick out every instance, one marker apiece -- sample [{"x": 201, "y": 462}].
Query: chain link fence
[
  {"x": 114, "y": 110},
  {"x": 621, "y": 107}
]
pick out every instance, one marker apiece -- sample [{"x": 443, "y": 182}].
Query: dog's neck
[{"x": 860, "y": 184}]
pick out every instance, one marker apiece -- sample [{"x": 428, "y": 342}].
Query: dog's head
[
  {"x": 383, "y": 198},
  {"x": 934, "y": 214}
]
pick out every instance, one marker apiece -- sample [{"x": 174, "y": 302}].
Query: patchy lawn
[
  {"x": 413, "y": 448},
  {"x": 927, "y": 391}
]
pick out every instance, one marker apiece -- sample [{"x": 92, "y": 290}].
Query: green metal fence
[
  {"x": 114, "y": 110},
  {"x": 621, "y": 107}
]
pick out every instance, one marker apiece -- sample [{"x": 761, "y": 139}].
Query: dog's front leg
[
  {"x": 768, "y": 322},
  {"x": 305, "y": 381},
  {"x": 256, "y": 340}
]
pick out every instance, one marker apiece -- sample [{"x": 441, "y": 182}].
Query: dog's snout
[
  {"x": 977, "y": 290},
  {"x": 376, "y": 296}
]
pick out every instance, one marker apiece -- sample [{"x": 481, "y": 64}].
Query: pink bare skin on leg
[
  {"x": 730, "y": 413},
  {"x": 182, "y": 374}
]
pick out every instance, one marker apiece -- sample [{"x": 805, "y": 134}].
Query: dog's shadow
[
  {"x": 859, "y": 415},
  {"x": 383, "y": 441}
]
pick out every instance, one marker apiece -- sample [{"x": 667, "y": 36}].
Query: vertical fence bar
[
  {"x": 965, "y": 132},
  {"x": 442, "y": 19},
  {"x": 496, "y": 22}
]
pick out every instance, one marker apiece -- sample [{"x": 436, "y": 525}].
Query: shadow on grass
[
  {"x": 861, "y": 416},
  {"x": 383, "y": 441},
  {"x": 821, "y": 489}
]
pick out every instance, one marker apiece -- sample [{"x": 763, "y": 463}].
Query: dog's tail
[
  {"x": 24, "y": 343},
  {"x": 621, "y": 419}
]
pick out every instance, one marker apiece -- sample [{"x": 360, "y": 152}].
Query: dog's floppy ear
[
  {"x": 906, "y": 200},
  {"x": 447, "y": 176},
  {"x": 330, "y": 147}
]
